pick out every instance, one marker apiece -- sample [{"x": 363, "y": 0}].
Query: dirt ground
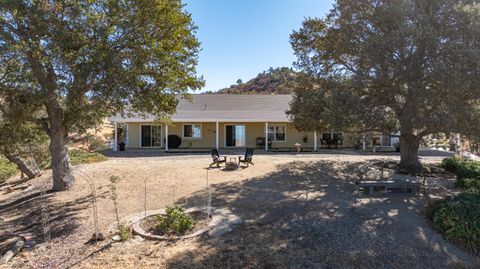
[{"x": 298, "y": 211}]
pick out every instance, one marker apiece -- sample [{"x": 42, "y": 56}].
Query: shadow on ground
[
  {"x": 37, "y": 214},
  {"x": 303, "y": 215}
]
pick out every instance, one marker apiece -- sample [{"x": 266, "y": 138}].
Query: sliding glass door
[
  {"x": 235, "y": 136},
  {"x": 151, "y": 135}
]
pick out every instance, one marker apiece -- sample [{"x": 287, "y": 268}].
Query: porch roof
[{"x": 224, "y": 108}]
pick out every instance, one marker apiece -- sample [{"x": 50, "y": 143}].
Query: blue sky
[{"x": 241, "y": 38}]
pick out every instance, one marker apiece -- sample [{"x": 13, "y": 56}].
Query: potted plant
[
  {"x": 121, "y": 146},
  {"x": 397, "y": 147}
]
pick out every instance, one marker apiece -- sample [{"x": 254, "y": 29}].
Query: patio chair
[
  {"x": 217, "y": 159},
  {"x": 260, "y": 142},
  {"x": 248, "y": 157}
]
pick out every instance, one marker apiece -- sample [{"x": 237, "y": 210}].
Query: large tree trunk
[
  {"x": 61, "y": 167},
  {"x": 409, "y": 144},
  {"x": 30, "y": 172}
]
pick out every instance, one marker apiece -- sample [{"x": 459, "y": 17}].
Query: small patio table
[{"x": 233, "y": 160}]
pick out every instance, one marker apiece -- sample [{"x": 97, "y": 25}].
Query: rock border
[{"x": 137, "y": 229}]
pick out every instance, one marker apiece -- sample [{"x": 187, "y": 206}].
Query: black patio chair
[
  {"x": 248, "y": 157},
  {"x": 217, "y": 159},
  {"x": 260, "y": 142}
]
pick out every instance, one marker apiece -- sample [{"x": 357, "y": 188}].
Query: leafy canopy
[
  {"x": 79, "y": 61},
  {"x": 412, "y": 63}
]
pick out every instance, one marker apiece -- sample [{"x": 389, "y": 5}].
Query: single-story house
[{"x": 231, "y": 121}]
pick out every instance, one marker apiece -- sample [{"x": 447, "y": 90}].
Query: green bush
[
  {"x": 468, "y": 183},
  {"x": 7, "y": 169},
  {"x": 458, "y": 218},
  {"x": 467, "y": 171},
  {"x": 124, "y": 232},
  {"x": 450, "y": 164},
  {"x": 175, "y": 221}
]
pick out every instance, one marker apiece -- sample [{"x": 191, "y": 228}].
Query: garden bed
[
  {"x": 146, "y": 226},
  {"x": 201, "y": 219}
]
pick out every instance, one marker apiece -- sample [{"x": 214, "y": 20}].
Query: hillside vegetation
[{"x": 273, "y": 81}]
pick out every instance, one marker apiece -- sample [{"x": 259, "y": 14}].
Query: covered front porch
[{"x": 203, "y": 136}]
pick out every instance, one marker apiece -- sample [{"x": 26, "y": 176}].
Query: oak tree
[
  {"x": 410, "y": 61},
  {"x": 80, "y": 61}
]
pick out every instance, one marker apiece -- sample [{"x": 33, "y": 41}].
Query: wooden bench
[{"x": 390, "y": 184}]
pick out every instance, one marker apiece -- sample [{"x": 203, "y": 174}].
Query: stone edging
[{"x": 137, "y": 229}]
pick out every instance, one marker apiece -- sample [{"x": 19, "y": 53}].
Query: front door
[
  {"x": 146, "y": 136},
  {"x": 235, "y": 136},
  {"x": 151, "y": 135}
]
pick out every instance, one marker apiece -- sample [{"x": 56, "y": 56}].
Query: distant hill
[{"x": 274, "y": 81}]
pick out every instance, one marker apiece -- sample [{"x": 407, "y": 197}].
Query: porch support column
[
  {"x": 364, "y": 140},
  {"x": 166, "y": 137},
  {"x": 115, "y": 137},
  {"x": 126, "y": 134},
  {"x": 458, "y": 143},
  {"x": 266, "y": 136},
  {"x": 315, "y": 141},
  {"x": 216, "y": 135}
]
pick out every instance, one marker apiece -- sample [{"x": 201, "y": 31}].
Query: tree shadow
[
  {"x": 303, "y": 215},
  {"x": 38, "y": 214}
]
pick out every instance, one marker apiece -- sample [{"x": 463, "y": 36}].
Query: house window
[
  {"x": 330, "y": 137},
  {"x": 193, "y": 131},
  {"x": 277, "y": 133}
]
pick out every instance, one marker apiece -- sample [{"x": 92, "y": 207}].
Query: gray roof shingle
[{"x": 227, "y": 107}]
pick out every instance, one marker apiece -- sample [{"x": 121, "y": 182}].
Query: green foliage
[
  {"x": 143, "y": 52},
  {"x": 467, "y": 171},
  {"x": 124, "y": 231},
  {"x": 114, "y": 179},
  {"x": 7, "y": 169},
  {"x": 458, "y": 218},
  {"x": 450, "y": 164},
  {"x": 22, "y": 139},
  {"x": 114, "y": 197},
  {"x": 175, "y": 221},
  {"x": 66, "y": 65},
  {"x": 274, "y": 81},
  {"x": 468, "y": 183},
  {"x": 81, "y": 157},
  {"x": 78, "y": 156},
  {"x": 418, "y": 74}
]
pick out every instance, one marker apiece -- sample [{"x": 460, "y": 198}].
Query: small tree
[
  {"x": 122, "y": 229},
  {"x": 80, "y": 61},
  {"x": 114, "y": 196},
  {"x": 414, "y": 62}
]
